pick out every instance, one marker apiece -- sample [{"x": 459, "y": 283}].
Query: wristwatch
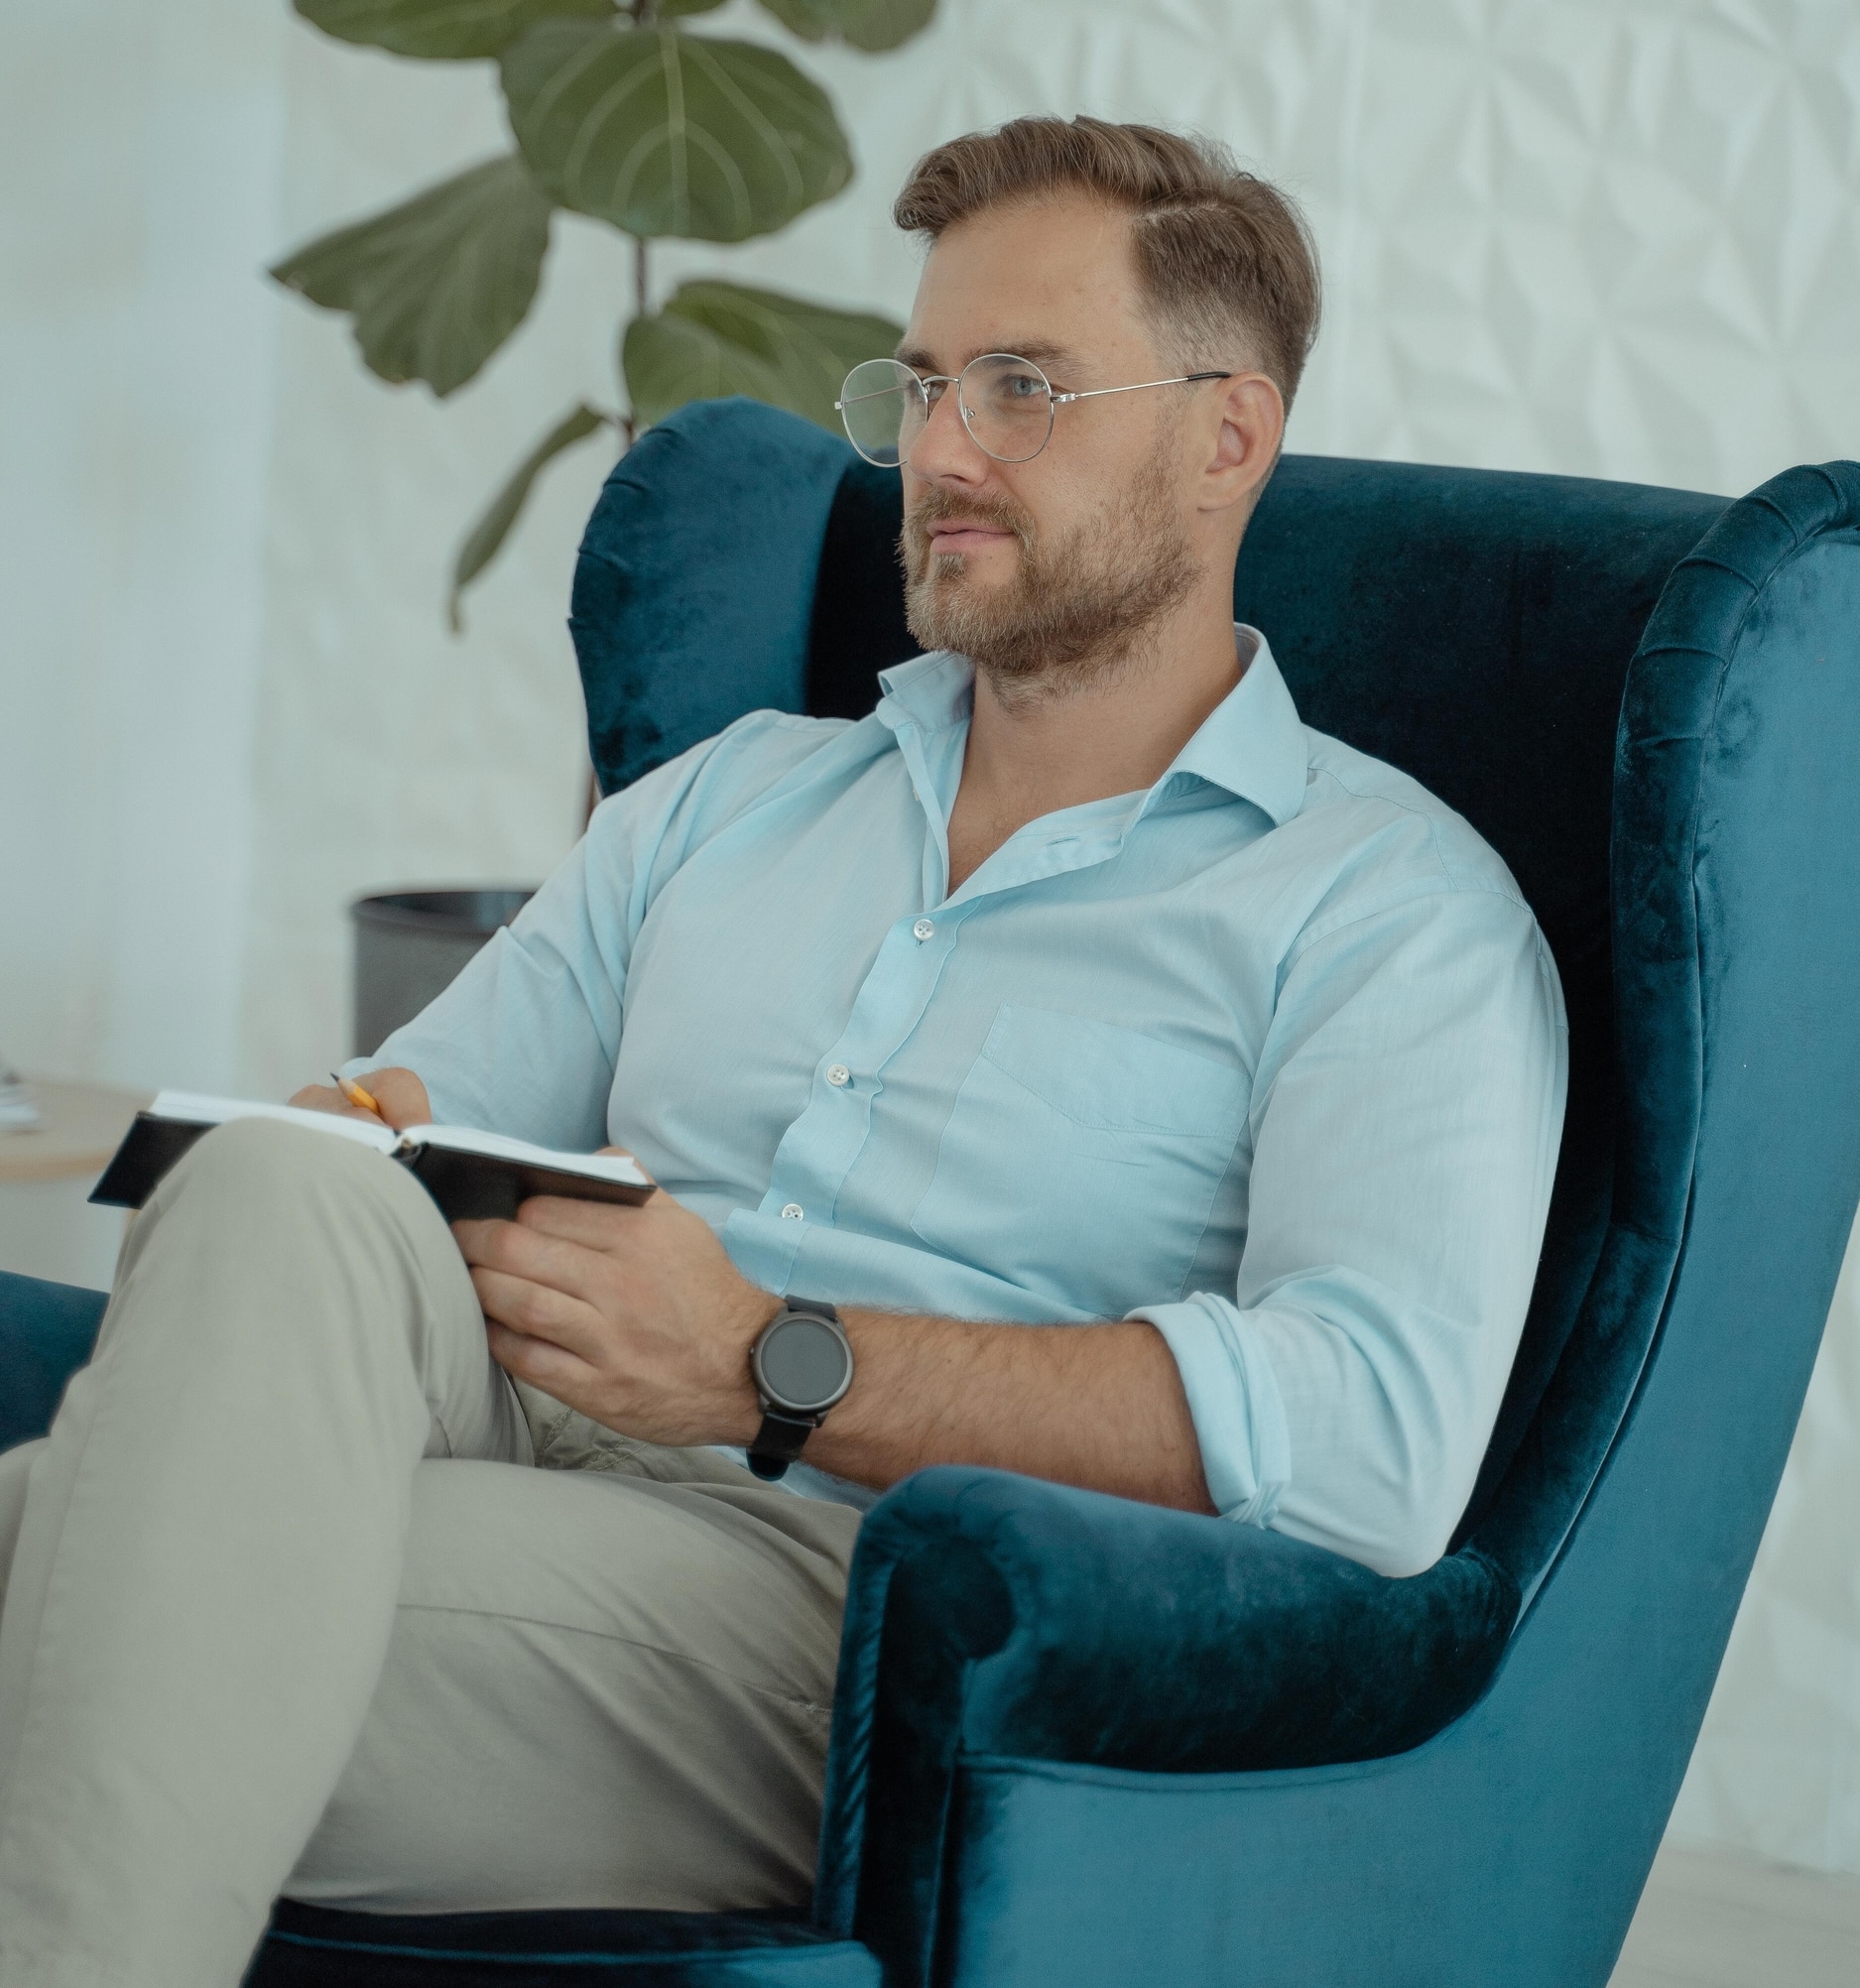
[{"x": 802, "y": 1364}]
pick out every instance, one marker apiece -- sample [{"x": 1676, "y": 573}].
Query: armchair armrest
[
  {"x": 46, "y": 1331},
  {"x": 990, "y": 1614}
]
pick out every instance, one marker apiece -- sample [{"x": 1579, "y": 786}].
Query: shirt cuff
[{"x": 1235, "y": 1402}]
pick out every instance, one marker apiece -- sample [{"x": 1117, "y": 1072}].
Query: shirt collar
[
  {"x": 933, "y": 691},
  {"x": 1251, "y": 744}
]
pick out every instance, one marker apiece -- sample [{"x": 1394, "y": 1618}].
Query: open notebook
[{"x": 473, "y": 1175}]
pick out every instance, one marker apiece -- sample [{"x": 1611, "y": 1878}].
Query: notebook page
[{"x": 191, "y": 1108}]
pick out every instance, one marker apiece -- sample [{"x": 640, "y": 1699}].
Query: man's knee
[
  {"x": 256, "y": 1173},
  {"x": 259, "y": 1157},
  {"x": 265, "y": 1200},
  {"x": 343, "y": 1256}
]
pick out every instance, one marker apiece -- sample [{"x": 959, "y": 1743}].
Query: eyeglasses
[{"x": 1006, "y": 404}]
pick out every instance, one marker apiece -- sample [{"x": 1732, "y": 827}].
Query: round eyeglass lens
[
  {"x": 883, "y": 405},
  {"x": 1007, "y": 406}
]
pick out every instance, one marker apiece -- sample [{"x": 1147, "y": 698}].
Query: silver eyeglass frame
[{"x": 925, "y": 381}]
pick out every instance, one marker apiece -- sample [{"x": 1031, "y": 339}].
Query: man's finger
[
  {"x": 596, "y": 1225},
  {"x": 473, "y": 1238},
  {"x": 326, "y": 1097},
  {"x": 400, "y": 1095},
  {"x": 539, "y": 1311},
  {"x": 528, "y": 1252},
  {"x": 542, "y": 1363}
]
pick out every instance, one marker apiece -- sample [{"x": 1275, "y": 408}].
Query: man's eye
[{"x": 1023, "y": 387}]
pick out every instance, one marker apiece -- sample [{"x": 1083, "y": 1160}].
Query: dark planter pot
[{"x": 410, "y": 947}]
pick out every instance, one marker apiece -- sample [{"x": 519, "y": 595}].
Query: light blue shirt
[{"x": 1272, "y": 1056}]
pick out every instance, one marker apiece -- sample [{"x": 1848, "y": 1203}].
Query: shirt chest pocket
[{"x": 1081, "y": 1159}]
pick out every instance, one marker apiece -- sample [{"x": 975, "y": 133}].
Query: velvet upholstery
[
  {"x": 45, "y": 1331},
  {"x": 696, "y": 577},
  {"x": 311, "y": 1948},
  {"x": 1078, "y": 1740}
]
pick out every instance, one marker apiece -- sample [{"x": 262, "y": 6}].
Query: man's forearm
[
  {"x": 1098, "y": 1406},
  {"x": 638, "y": 1318}
]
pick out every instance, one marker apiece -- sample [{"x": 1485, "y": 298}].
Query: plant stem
[
  {"x": 641, "y": 13},
  {"x": 642, "y": 298}
]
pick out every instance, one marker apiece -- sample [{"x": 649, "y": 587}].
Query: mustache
[{"x": 938, "y": 507}]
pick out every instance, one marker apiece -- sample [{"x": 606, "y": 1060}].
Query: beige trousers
[{"x": 288, "y": 1609}]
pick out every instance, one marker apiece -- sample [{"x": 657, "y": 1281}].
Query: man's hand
[
  {"x": 400, "y": 1094},
  {"x": 638, "y": 1318},
  {"x": 635, "y": 1316}
]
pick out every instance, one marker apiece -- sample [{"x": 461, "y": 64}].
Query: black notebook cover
[
  {"x": 150, "y": 1148},
  {"x": 469, "y": 1187},
  {"x": 477, "y": 1187}
]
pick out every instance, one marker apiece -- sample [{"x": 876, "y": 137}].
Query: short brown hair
[{"x": 1217, "y": 248}]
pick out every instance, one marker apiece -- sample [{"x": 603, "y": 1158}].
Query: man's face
[{"x": 1043, "y": 571}]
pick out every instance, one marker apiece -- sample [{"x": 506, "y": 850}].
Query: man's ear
[{"x": 1251, "y": 424}]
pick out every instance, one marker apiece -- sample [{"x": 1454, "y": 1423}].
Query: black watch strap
[{"x": 778, "y": 1443}]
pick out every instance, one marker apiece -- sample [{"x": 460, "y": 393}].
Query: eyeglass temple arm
[
  {"x": 1137, "y": 387},
  {"x": 929, "y": 380}
]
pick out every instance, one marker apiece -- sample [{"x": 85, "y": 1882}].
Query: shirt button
[
  {"x": 791, "y": 1212},
  {"x": 840, "y": 1076},
  {"x": 924, "y": 929}
]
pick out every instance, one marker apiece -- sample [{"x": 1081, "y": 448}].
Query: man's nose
[{"x": 944, "y": 451}]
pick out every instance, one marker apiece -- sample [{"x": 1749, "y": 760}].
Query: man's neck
[{"x": 1036, "y": 748}]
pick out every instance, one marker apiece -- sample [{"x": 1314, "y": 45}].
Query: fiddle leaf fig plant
[
  {"x": 621, "y": 112},
  {"x": 716, "y": 338},
  {"x": 435, "y": 286}
]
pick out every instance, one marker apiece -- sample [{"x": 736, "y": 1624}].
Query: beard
[{"x": 1077, "y": 608}]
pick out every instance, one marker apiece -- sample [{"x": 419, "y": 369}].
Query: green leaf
[
  {"x": 872, "y": 25},
  {"x": 669, "y": 134},
  {"x": 439, "y": 30},
  {"x": 493, "y": 528},
  {"x": 437, "y": 284},
  {"x": 716, "y": 338}
]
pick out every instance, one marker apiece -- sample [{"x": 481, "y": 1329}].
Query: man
[{"x": 1165, "y": 1096}]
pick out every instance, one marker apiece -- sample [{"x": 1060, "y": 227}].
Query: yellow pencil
[{"x": 356, "y": 1096}]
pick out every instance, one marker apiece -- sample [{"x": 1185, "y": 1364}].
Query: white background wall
[{"x": 1608, "y": 238}]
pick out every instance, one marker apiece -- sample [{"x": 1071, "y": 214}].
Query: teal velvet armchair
[{"x": 1078, "y": 1740}]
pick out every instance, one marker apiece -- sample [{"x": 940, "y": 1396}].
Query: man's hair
[{"x": 1221, "y": 254}]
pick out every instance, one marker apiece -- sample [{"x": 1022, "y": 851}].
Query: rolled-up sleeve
[{"x": 1403, "y": 1129}]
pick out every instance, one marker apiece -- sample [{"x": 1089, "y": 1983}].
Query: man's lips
[{"x": 957, "y": 535}]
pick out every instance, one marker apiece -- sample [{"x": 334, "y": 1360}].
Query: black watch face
[{"x": 802, "y": 1364}]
